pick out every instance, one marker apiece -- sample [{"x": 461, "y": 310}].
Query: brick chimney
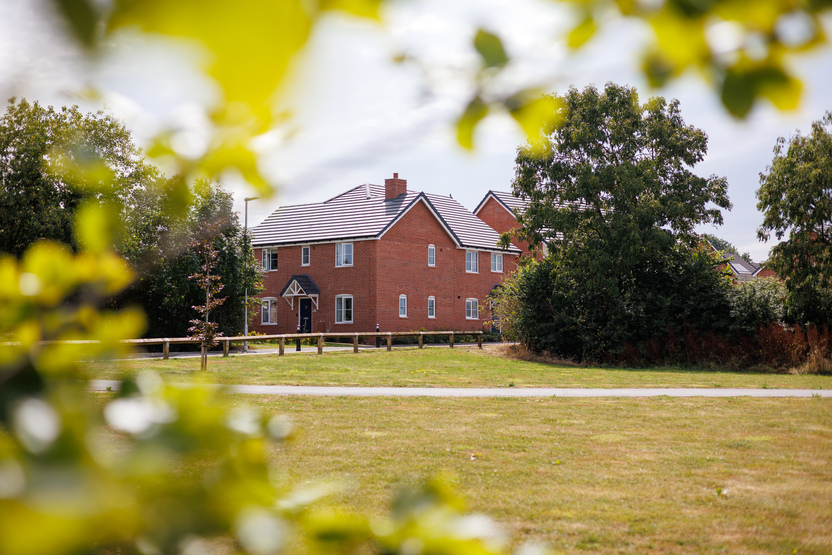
[{"x": 394, "y": 187}]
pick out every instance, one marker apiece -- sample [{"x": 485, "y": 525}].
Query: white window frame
[
  {"x": 341, "y": 309},
  {"x": 269, "y": 310},
  {"x": 343, "y": 255},
  {"x": 402, "y": 306},
  {"x": 472, "y": 309},
  {"x": 497, "y": 262},
  {"x": 431, "y": 307},
  {"x": 305, "y": 255},
  {"x": 432, "y": 256},
  {"x": 269, "y": 256},
  {"x": 472, "y": 262}
]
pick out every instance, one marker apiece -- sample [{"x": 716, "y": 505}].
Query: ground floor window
[
  {"x": 268, "y": 314},
  {"x": 402, "y": 306},
  {"x": 472, "y": 310},
  {"x": 343, "y": 309},
  {"x": 431, "y": 307}
]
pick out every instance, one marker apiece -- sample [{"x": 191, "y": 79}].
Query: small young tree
[{"x": 203, "y": 328}]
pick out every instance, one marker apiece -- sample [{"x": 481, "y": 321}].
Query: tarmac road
[{"x": 326, "y": 391}]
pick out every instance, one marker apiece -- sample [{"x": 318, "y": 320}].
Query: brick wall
[
  {"x": 357, "y": 280},
  {"x": 495, "y": 215}
]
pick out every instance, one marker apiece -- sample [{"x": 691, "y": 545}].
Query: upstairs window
[
  {"x": 304, "y": 256},
  {"x": 431, "y": 255},
  {"x": 343, "y": 254},
  {"x": 402, "y": 306},
  {"x": 472, "y": 263},
  {"x": 269, "y": 259},
  {"x": 496, "y": 262}
]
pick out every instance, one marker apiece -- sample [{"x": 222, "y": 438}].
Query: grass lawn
[
  {"x": 443, "y": 367},
  {"x": 604, "y": 475}
]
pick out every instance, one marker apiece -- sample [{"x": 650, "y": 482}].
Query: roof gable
[{"x": 512, "y": 204}]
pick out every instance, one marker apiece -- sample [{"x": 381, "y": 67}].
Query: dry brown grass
[
  {"x": 608, "y": 476},
  {"x": 516, "y": 351}
]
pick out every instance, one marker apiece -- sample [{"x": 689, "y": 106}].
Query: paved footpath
[{"x": 103, "y": 385}]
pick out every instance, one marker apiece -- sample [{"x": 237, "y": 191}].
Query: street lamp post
[{"x": 245, "y": 322}]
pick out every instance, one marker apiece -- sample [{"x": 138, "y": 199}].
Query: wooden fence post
[
  {"x": 451, "y": 340},
  {"x": 166, "y": 350},
  {"x": 320, "y": 343},
  {"x": 225, "y": 346},
  {"x": 479, "y": 340},
  {"x": 355, "y": 343},
  {"x": 281, "y": 345},
  {"x": 389, "y": 341},
  {"x": 421, "y": 340}
]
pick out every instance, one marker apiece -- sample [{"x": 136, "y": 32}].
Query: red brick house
[
  {"x": 378, "y": 255},
  {"x": 498, "y": 209}
]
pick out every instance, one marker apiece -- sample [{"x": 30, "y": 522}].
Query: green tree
[
  {"x": 795, "y": 196},
  {"x": 612, "y": 194},
  {"x": 156, "y": 243},
  {"x": 52, "y": 160},
  {"x": 209, "y": 283}
]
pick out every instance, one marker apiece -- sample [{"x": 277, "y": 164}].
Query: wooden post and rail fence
[{"x": 226, "y": 342}]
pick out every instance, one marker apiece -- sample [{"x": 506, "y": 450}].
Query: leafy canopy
[
  {"x": 795, "y": 197},
  {"x": 615, "y": 171},
  {"x": 611, "y": 193},
  {"x": 51, "y": 162}
]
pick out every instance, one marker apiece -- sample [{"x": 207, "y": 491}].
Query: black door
[{"x": 305, "y": 316}]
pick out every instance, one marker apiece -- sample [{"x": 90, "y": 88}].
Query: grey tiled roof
[
  {"x": 363, "y": 213},
  {"x": 744, "y": 270}
]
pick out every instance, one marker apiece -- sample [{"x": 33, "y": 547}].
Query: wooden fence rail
[{"x": 226, "y": 342}]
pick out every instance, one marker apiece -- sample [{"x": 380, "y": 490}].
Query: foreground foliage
[
  {"x": 188, "y": 471},
  {"x": 61, "y": 493}
]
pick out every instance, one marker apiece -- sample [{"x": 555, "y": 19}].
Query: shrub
[{"x": 755, "y": 303}]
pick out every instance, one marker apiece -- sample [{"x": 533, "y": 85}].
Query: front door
[{"x": 305, "y": 316}]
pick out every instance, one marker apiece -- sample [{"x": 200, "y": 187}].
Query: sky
[{"x": 358, "y": 117}]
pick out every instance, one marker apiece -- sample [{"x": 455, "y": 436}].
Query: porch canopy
[{"x": 300, "y": 286}]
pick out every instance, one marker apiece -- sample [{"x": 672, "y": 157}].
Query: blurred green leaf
[
  {"x": 96, "y": 225},
  {"x": 82, "y": 19},
  {"x": 465, "y": 126},
  {"x": 582, "y": 32},
  {"x": 490, "y": 48},
  {"x": 738, "y": 93}
]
